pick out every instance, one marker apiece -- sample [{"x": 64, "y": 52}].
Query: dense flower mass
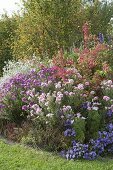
[
  {"x": 66, "y": 109},
  {"x": 47, "y": 96}
]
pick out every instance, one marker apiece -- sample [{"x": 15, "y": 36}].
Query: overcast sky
[{"x": 9, "y": 5}]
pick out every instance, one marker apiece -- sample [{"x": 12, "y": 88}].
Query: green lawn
[{"x": 17, "y": 157}]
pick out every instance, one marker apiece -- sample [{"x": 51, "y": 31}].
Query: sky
[{"x": 10, "y": 6}]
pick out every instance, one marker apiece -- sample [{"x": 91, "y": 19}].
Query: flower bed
[
  {"x": 64, "y": 113},
  {"x": 65, "y": 106}
]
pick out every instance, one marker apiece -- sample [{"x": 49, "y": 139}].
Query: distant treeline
[{"x": 44, "y": 26}]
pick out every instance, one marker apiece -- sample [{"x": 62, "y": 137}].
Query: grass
[{"x": 17, "y": 157}]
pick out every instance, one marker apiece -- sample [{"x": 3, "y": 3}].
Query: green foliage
[
  {"x": 14, "y": 113},
  {"x": 7, "y": 28},
  {"x": 48, "y": 136},
  {"x": 47, "y": 26},
  {"x": 99, "y": 14},
  {"x": 93, "y": 124},
  {"x": 79, "y": 127}
]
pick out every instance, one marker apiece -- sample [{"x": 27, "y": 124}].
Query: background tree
[
  {"x": 99, "y": 14},
  {"x": 7, "y": 33},
  {"x": 48, "y": 25}
]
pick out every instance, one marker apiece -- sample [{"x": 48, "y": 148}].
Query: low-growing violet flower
[
  {"x": 70, "y": 132},
  {"x": 44, "y": 84},
  {"x": 71, "y": 93},
  {"x": 38, "y": 110},
  {"x": 110, "y": 127},
  {"x": 79, "y": 76},
  {"x": 101, "y": 37},
  {"x": 24, "y": 99},
  {"x": 62, "y": 153},
  {"x": 25, "y": 108},
  {"x": 106, "y": 98},
  {"x": 84, "y": 95},
  {"x": 69, "y": 122},
  {"x": 58, "y": 99},
  {"x": 66, "y": 93},
  {"x": 42, "y": 97},
  {"x": 2, "y": 106},
  {"x": 67, "y": 108},
  {"x": 90, "y": 155},
  {"x": 87, "y": 83},
  {"x": 85, "y": 105},
  {"x": 80, "y": 86},
  {"x": 35, "y": 106},
  {"x": 109, "y": 113},
  {"x": 95, "y": 98},
  {"x": 78, "y": 115}
]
